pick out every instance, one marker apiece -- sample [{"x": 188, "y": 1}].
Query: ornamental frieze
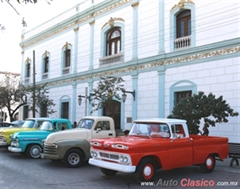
[{"x": 178, "y": 60}]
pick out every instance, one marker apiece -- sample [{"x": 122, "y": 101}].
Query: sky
[{"x": 34, "y": 15}]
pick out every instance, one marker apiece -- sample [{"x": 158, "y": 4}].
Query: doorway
[{"x": 113, "y": 110}]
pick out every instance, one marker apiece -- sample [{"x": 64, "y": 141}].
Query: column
[
  {"x": 134, "y": 103},
  {"x": 92, "y": 24},
  {"x": 74, "y": 101},
  {"x": 135, "y": 31},
  {"x": 161, "y": 91},
  {"x": 161, "y": 28},
  {"x": 75, "y": 50}
]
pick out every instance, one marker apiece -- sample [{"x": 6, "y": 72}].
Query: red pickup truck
[{"x": 157, "y": 143}]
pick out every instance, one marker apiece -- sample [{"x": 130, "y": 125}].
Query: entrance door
[{"x": 113, "y": 110}]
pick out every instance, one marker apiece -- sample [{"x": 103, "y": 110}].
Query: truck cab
[
  {"x": 30, "y": 142},
  {"x": 73, "y": 147}
]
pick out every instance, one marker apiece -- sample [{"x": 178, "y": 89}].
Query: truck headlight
[
  {"x": 93, "y": 154},
  {"x": 123, "y": 159}
]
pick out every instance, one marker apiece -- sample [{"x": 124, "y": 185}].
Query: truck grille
[
  {"x": 49, "y": 149},
  {"x": 109, "y": 156}
]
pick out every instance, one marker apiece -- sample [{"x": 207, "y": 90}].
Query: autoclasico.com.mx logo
[{"x": 189, "y": 182}]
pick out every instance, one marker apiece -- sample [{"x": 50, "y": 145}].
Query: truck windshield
[
  {"x": 46, "y": 126},
  {"x": 85, "y": 123},
  {"x": 160, "y": 130},
  {"x": 28, "y": 124}
]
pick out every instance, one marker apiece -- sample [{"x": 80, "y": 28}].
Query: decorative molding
[
  {"x": 28, "y": 60},
  {"x": 22, "y": 36},
  {"x": 72, "y": 24},
  {"x": 46, "y": 53},
  {"x": 92, "y": 22},
  {"x": 75, "y": 29},
  {"x": 111, "y": 22},
  {"x": 182, "y": 3},
  {"x": 155, "y": 64},
  {"x": 135, "y": 4},
  {"x": 66, "y": 45}
]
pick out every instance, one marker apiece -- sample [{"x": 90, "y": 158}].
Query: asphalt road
[{"x": 20, "y": 172}]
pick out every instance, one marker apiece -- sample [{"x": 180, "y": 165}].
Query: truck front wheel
[
  {"x": 73, "y": 158},
  {"x": 146, "y": 170},
  {"x": 108, "y": 172},
  {"x": 33, "y": 151},
  {"x": 209, "y": 165}
]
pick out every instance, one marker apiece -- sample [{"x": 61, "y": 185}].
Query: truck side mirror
[{"x": 98, "y": 130}]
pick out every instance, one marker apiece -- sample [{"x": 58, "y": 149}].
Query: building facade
[{"x": 164, "y": 50}]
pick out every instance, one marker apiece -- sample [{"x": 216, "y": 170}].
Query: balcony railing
[
  {"x": 113, "y": 59},
  {"x": 65, "y": 70},
  {"x": 182, "y": 43},
  {"x": 45, "y": 76}
]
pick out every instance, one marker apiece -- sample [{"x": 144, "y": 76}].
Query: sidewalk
[{"x": 225, "y": 166}]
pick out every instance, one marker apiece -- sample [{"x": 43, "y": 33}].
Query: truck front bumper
[
  {"x": 48, "y": 156},
  {"x": 12, "y": 149},
  {"x": 112, "y": 166},
  {"x": 3, "y": 144}
]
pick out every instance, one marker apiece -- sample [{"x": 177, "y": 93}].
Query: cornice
[{"x": 75, "y": 20}]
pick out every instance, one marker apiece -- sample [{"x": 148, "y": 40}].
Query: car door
[
  {"x": 102, "y": 130},
  {"x": 180, "y": 148}
]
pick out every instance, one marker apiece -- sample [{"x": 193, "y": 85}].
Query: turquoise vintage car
[{"x": 30, "y": 142}]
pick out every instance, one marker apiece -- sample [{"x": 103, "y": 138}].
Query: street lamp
[
  {"x": 80, "y": 99},
  {"x": 124, "y": 96}
]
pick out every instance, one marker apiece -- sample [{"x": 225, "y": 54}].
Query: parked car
[
  {"x": 18, "y": 123},
  {"x": 6, "y": 124}
]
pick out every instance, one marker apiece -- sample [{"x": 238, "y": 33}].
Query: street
[{"x": 20, "y": 172}]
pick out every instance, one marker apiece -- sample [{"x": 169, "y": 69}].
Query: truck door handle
[{"x": 110, "y": 134}]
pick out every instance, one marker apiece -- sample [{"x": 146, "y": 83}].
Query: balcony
[
  {"x": 113, "y": 59},
  {"x": 65, "y": 70},
  {"x": 45, "y": 75},
  {"x": 182, "y": 43}
]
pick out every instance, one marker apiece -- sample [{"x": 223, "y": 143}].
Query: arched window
[
  {"x": 67, "y": 58},
  {"x": 28, "y": 69},
  {"x": 113, "y": 41},
  {"x": 45, "y": 64},
  {"x": 184, "y": 24}
]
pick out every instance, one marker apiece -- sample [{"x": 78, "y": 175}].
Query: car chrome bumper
[
  {"x": 47, "y": 156},
  {"x": 112, "y": 166},
  {"x": 3, "y": 144},
  {"x": 12, "y": 149}
]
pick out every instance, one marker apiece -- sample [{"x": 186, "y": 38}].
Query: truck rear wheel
[
  {"x": 73, "y": 158},
  {"x": 33, "y": 151},
  {"x": 209, "y": 165},
  {"x": 108, "y": 172},
  {"x": 146, "y": 170}
]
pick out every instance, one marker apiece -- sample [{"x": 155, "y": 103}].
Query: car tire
[
  {"x": 209, "y": 164},
  {"x": 73, "y": 158},
  {"x": 146, "y": 170},
  {"x": 34, "y": 150},
  {"x": 108, "y": 172}
]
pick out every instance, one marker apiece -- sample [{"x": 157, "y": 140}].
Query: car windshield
[
  {"x": 46, "y": 126},
  {"x": 85, "y": 123},
  {"x": 28, "y": 124},
  {"x": 150, "y": 129}
]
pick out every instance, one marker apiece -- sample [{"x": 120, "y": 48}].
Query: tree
[
  {"x": 106, "y": 92},
  {"x": 208, "y": 108},
  {"x": 10, "y": 96},
  {"x": 20, "y": 2},
  {"x": 42, "y": 100},
  {"x": 13, "y": 96}
]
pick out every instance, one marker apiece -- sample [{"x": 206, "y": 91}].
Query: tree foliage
[
  {"x": 10, "y": 96},
  {"x": 20, "y": 2},
  {"x": 41, "y": 98},
  {"x": 106, "y": 92},
  {"x": 201, "y": 107}
]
